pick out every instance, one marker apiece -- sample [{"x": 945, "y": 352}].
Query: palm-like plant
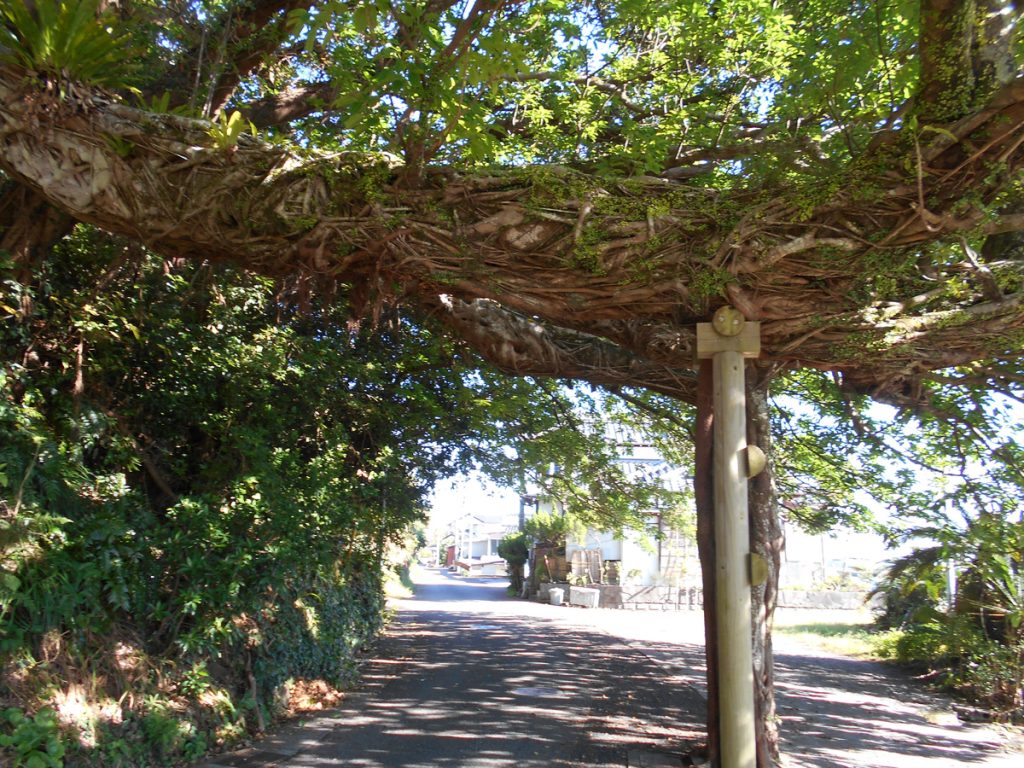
[
  {"x": 68, "y": 39},
  {"x": 980, "y": 640}
]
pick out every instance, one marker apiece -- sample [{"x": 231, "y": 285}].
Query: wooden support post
[{"x": 727, "y": 341}]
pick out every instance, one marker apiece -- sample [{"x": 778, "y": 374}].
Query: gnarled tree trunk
[
  {"x": 765, "y": 540},
  {"x": 704, "y": 501},
  {"x": 551, "y": 271}
]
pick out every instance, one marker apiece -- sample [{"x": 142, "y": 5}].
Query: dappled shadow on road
[
  {"x": 468, "y": 677},
  {"x": 836, "y": 711},
  {"x": 850, "y": 712},
  {"x": 489, "y": 689},
  {"x": 679, "y": 663}
]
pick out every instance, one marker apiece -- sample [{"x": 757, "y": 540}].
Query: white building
[
  {"x": 473, "y": 540},
  {"x": 667, "y": 558},
  {"x": 636, "y": 559}
]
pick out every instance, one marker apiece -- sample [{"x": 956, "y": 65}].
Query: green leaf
[
  {"x": 365, "y": 17},
  {"x": 9, "y": 582}
]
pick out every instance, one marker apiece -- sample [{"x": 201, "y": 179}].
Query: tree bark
[
  {"x": 635, "y": 262},
  {"x": 766, "y": 540},
  {"x": 515, "y": 576},
  {"x": 521, "y": 346},
  {"x": 966, "y": 53},
  {"x": 550, "y": 272},
  {"x": 704, "y": 501},
  {"x": 29, "y": 225}
]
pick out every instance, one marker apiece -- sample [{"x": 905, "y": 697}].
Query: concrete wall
[
  {"x": 585, "y": 597},
  {"x": 823, "y": 599},
  {"x": 499, "y": 568},
  {"x": 645, "y": 598},
  {"x": 642, "y": 557}
]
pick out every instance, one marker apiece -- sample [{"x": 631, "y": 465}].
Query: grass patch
[
  {"x": 398, "y": 582},
  {"x": 844, "y": 638}
]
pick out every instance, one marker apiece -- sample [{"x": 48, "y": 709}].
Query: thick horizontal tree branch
[
  {"x": 1009, "y": 222},
  {"x": 291, "y": 104},
  {"x": 525, "y": 346},
  {"x": 629, "y": 265}
]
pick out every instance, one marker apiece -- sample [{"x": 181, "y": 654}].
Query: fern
[{"x": 68, "y": 39}]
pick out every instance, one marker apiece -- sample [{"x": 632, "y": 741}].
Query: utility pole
[{"x": 727, "y": 341}]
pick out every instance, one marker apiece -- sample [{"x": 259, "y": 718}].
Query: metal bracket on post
[
  {"x": 727, "y": 340},
  {"x": 758, "y": 567}
]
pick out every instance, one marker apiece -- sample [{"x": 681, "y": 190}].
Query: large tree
[{"x": 568, "y": 186}]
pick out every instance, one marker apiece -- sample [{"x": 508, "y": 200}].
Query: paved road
[
  {"x": 834, "y": 711},
  {"x": 470, "y": 678}
]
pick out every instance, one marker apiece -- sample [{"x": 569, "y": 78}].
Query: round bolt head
[
  {"x": 756, "y": 461},
  {"x": 728, "y": 321}
]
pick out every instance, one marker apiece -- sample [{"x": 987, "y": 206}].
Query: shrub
[
  {"x": 515, "y": 550},
  {"x": 31, "y": 742}
]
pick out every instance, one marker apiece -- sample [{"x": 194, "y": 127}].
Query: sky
[{"x": 470, "y": 493}]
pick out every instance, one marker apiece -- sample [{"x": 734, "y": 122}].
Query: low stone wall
[
  {"x": 822, "y": 599},
  {"x": 649, "y": 598},
  {"x": 628, "y": 597},
  {"x": 639, "y": 598}
]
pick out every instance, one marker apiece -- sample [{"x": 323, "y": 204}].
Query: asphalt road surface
[{"x": 468, "y": 677}]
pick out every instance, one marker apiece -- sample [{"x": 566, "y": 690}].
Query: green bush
[
  {"x": 211, "y": 497},
  {"x": 974, "y": 642},
  {"x": 31, "y": 742},
  {"x": 885, "y": 644},
  {"x": 201, "y": 479},
  {"x": 515, "y": 550},
  {"x": 316, "y": 635},
  {"x": 987, "y": 671},
  {"x": 549, "y": 529}
]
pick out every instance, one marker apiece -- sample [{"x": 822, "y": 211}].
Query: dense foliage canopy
[
  {"x": 200, "y": 485},
  {"x": 567, "y": 187}
]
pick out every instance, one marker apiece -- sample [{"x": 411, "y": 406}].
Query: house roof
[
  {"x": 486, "y": 527},
  {"x": 668, "y": 476},
  {"x": 486, "y": 518}
]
